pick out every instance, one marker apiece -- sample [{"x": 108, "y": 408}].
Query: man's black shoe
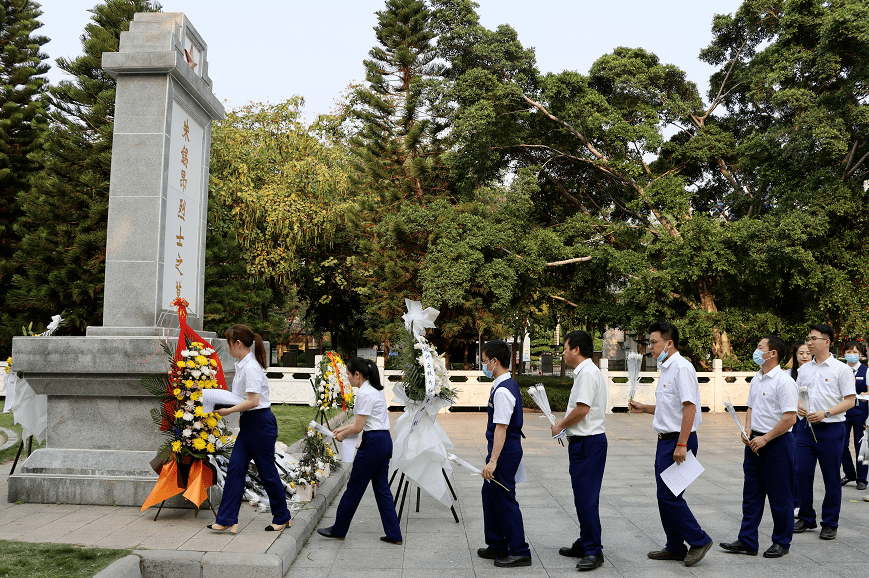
[
  {"x": 513, "y": 561},
  {"x": 846, "y": 480},
  {"x": 490, "y": 554},
  {"x": 696, "y": 553},
  {"x": 738, "y": 548},
  {"x": 775, "y": 551},
  {"x": 802, "y": 526},
  {"x": 665, "y": 555},
  {"x": 590, "y": 562},
  {"x": 828, "y": 532},
  {"x": 573, "y": 551},
  {"x": 861, "y": 485},
  {"x": 327, "y": 533}
]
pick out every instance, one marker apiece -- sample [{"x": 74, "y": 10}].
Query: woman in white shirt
[
  {"x": 372, "y": 459},
  {"x": 256, "y": 440}
]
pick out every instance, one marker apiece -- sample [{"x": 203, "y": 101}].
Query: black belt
[
  {"x": 668, "y": 436},
  {"x": 577, "y": 439},
  {"x": 757, "y": 434}
]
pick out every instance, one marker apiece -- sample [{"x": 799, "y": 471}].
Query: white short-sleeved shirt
[
  {"x": 372, "y": 404},
  {"x": 589, "y": 389},
  {"x": 504, "y": 401},
  {"x": 250, "y": 378},
  {"x": 828, "y": 382},
  {"x": 771, "y": 395},
  {"x": 677, "y": 383}
]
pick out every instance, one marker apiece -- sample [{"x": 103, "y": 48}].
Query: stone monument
[{"x": 100, "y": 435}]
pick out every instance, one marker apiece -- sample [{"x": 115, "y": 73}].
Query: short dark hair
[
  {"x": 777, "y": 344},
  {"x": 582, "y": 340},
  {"x": 855, "y": 344},
  {"x": 667, "y": 331},
  {"x": 824, "y": 329},
  {"x": 500, "y": 351}
]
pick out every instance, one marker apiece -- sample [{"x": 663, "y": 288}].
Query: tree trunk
[{"x": 721, "y": 346}]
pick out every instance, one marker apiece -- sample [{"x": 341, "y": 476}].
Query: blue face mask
[
  {"x": 486, "y": 371},
  {"x": 663, "y": 356},
  {"x": 852, "y": 358},
  {"x": 758, "y": 356}
]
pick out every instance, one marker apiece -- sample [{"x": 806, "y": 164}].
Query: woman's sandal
[
  {"x": 220, "y": 528},
  {"x": 280, "y": 527}
]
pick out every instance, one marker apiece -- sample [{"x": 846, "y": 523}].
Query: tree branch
[
  {"x": 569, "y": 261},
  {"x": 571, "y": 303}
]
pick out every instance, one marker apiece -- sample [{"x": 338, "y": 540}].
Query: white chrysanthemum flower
[
  {"x": 187, "y": 416},
  {"x": 187, "y": 432}
]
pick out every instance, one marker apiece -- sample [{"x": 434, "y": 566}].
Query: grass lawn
[
  {"x": 28, "y": 560},
  {"x": 293, "y": 421}
]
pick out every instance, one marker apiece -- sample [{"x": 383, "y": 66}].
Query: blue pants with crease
[
  {"x": 371, "y": 464},
  {"x": 587, "y": 461},
  {"x": 827, "y": 453},
  {"x": 502, "y": 520},
  {"x": 768, "y": 476},
  {"x": 679, "y": 523},
  {"x": 851, "y": 472},
  {"x": 256, "y": 440}
]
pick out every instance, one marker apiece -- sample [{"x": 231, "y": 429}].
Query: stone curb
[
  {"x": 275, "y": 563},
  {"x": 11, "y": 438}
]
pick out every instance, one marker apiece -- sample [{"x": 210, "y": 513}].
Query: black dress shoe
[
  {"x": 665, "y": 555},
  {"x": 386, "y": 539},
  {"x": 590, "y": 562},
  {"x": 775, "y": 551},
  {"x": 801, "y": 526},
  {"x": 696, "y": 553},
  {"x": 828, "y": 532},
  {"x": 513, "y": 561},
  {"x": 846, "y": 480},
  {"x": 861, "y": 485},
  {"x": 327, "y": 533},
  {"x": 573, "y": 551},
  {"x": 738, "y": 548},
  {"x": 490, "y": 554}
]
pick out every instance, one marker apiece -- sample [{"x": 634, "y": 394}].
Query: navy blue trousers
[
  {"x": 255, "y": 441},
  {"x": 679, "y": 523},
  {"x": 371, "y": 464},
  {"x": 587, "y": 461},
  {"x": 795, "y": 488},
  {"x": 768, "y": 477},
  {"x": 502, "y": 520},
  {"x": 826, "y": 452},
  {"x": 847, "y": 463}
]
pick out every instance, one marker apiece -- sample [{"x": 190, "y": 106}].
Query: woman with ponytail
[
  {"x": 256, "y": 440},
  {"x": 372, "y": 459}
]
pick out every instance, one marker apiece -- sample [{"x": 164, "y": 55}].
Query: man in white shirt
[
  {"x": 677, "y": 416},
  {"x": 502, "y": 520},
  {"x": 831, "y": 389},
  {"x": 587, "y": 446},
  {"x": 769, "y": 454}
]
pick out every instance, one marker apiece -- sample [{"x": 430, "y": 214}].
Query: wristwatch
[{"x": 826, "y": 413}]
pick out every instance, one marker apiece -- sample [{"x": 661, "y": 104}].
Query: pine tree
[
  {"x": 400, "y": 147},
  {"x": 22, "y": 120},
  {"x": 63, "y": 229}
]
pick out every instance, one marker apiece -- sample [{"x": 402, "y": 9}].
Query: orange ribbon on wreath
[
  {"x": 334, "y": 363},
  {"x": 200, "y": 479}
]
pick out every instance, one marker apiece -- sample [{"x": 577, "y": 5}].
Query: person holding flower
[
  {"x": 371, "y": 463},
  {"x": 256, "y": 440},
  {"x": 768, "y": 462},
  {"x": 831, "y": 392}
]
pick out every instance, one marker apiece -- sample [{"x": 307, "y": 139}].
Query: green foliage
[
  {"x": 63, "y": 227},
  {"x": 22, "y": 121}
]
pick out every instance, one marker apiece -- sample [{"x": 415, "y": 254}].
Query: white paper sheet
[
  {"x": 217, "y": 396},
  {"x": 348, "y": 449},
  {"x": 679, "y": 476}
]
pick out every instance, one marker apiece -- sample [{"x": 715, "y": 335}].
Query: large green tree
[
  {"x": 22, "y": 120},
  {"x": 63, "y": 227}
]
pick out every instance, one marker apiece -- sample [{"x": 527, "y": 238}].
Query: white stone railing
[{"x": 716, "y": 387}]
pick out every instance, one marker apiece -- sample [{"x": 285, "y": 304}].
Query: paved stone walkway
[{"x": 435, "y": 546}]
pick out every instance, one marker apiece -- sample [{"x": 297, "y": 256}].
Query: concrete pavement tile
[
  {"x": 316, "y": 557},
  {"x": 365, "y": 573},
  {"x": 355, "y": 558},
  {"x": 437, "y": 573},
  {"x": 305, "y": 572}
]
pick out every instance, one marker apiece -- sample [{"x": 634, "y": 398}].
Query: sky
[{"x": 270, "y": 50}]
